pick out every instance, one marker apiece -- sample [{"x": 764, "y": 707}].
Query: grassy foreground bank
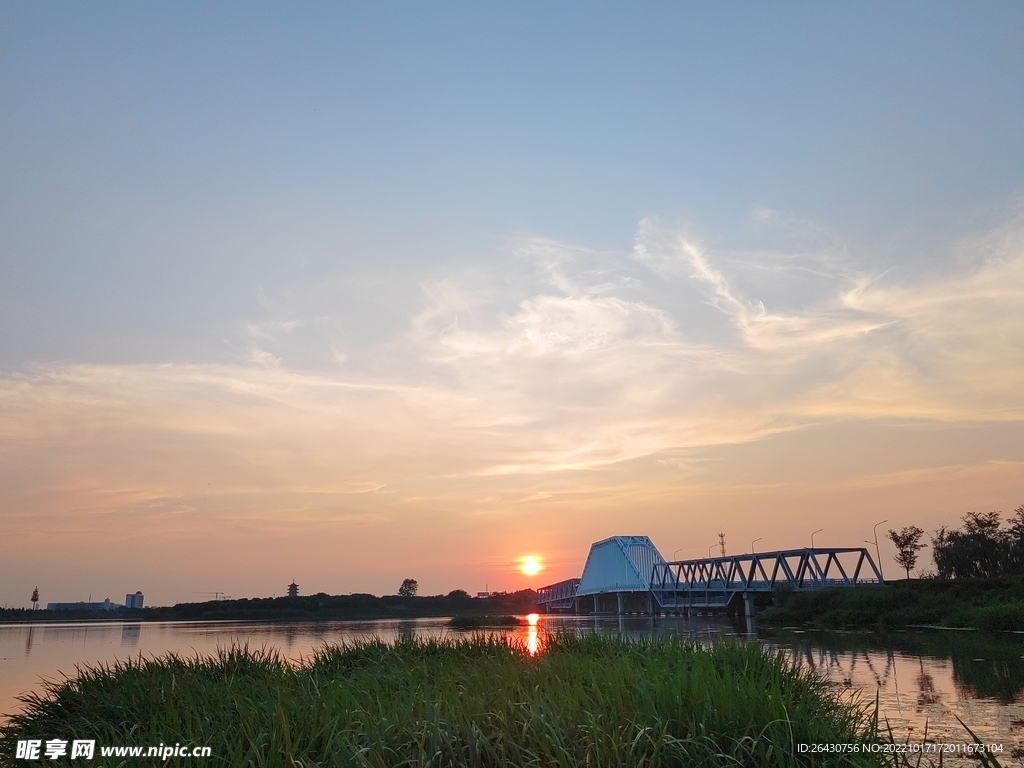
[
  {"x": 992, "y": 604},
  {"x": 585, "y": 701}
]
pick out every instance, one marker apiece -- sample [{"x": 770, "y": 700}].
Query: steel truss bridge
[
  {"x": 630, "y": 567},
  {"x": 561, "y": 595},
  {"x": 714, "y": 582}
]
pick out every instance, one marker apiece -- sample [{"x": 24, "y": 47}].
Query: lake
[{"x": 923, "y": 678}]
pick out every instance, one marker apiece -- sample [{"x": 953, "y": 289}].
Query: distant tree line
[{"x": 982, "y": 548}]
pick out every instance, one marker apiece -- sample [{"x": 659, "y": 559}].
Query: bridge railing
[{"x": 797, "y": 569}]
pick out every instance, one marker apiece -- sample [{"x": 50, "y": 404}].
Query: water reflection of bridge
[{"x": 630, "y": 571}]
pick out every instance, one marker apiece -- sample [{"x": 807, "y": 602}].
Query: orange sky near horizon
[{"x": 576, "y": 417}]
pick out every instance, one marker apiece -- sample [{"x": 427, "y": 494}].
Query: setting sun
[{"x": 530, "y": 565}]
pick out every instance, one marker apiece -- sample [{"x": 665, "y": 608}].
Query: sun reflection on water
[{"x": 532, "y": 636}]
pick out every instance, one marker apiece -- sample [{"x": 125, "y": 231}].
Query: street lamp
[
  {"x": 812, "y": 536},
  {"x": 676, "y": 553},
  {"x": 754, "y": 542},
  {"x": 878, "y": 552},
  {"x": 709, "y": 551}
]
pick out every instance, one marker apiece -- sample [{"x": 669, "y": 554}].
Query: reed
[{"x": 476, "y": 701}]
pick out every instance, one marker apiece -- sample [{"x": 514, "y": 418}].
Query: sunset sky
[{"x": 352, "y": 292}]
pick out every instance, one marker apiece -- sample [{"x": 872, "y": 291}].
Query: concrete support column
[
  {"x": 595, "y": 604},
  {"x": 620, "y": 601},
  {"x": 748, "y": 604}
]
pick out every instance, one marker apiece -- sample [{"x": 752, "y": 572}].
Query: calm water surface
[{"x": 920, "y": 677}]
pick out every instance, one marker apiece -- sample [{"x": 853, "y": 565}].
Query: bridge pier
[
  {"x": 619, "y": 600},
  {"x": 748, "y": 604}
]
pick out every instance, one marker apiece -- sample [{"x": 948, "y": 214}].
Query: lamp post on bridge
[
  {"x": 878, "y": 552},
  {"x": 754, "y": 542},
  {"x": 709, "y": 551},
  {"x": 812, "y": 536},
  {"x": 676, "y": 553}
]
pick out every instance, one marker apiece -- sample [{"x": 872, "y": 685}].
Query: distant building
[
  {"x": 106, "y": 605},
  {"x": 133, "y": 601},
  {"x": 293, "y": 590}
]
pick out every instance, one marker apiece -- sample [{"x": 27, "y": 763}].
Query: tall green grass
[{"x": 586, "y": 700}]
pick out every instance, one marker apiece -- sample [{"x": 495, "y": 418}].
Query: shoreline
[{"x": 318, "y": 607}]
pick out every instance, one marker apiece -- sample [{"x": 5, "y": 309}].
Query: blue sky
[
  {"x": 778, "y": 212},
  {"x": 165, "y": 162}
]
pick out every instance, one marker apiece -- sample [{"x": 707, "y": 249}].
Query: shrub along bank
[{"x": 993, "y": 604}]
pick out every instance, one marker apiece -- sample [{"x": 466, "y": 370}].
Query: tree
[
  {"x": 35, "y": 598},
  {"x": 1015, "y": 542},
  {"x": 908, "y": 543},
  {"x": 982, "y": 549},
  {"x": 944, "y": 551},
  {"x": 988, "y": 541},
  {"x": 408, "y": 588}
]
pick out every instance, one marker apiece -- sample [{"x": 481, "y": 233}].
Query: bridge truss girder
[
  {"x": 559, "y": 596},
  {"x": 715, "y": 581}
]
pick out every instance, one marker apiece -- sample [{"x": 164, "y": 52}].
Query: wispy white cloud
[
  {"x": 673, "y": 255},
  {"x": 588, "y": 364}
]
